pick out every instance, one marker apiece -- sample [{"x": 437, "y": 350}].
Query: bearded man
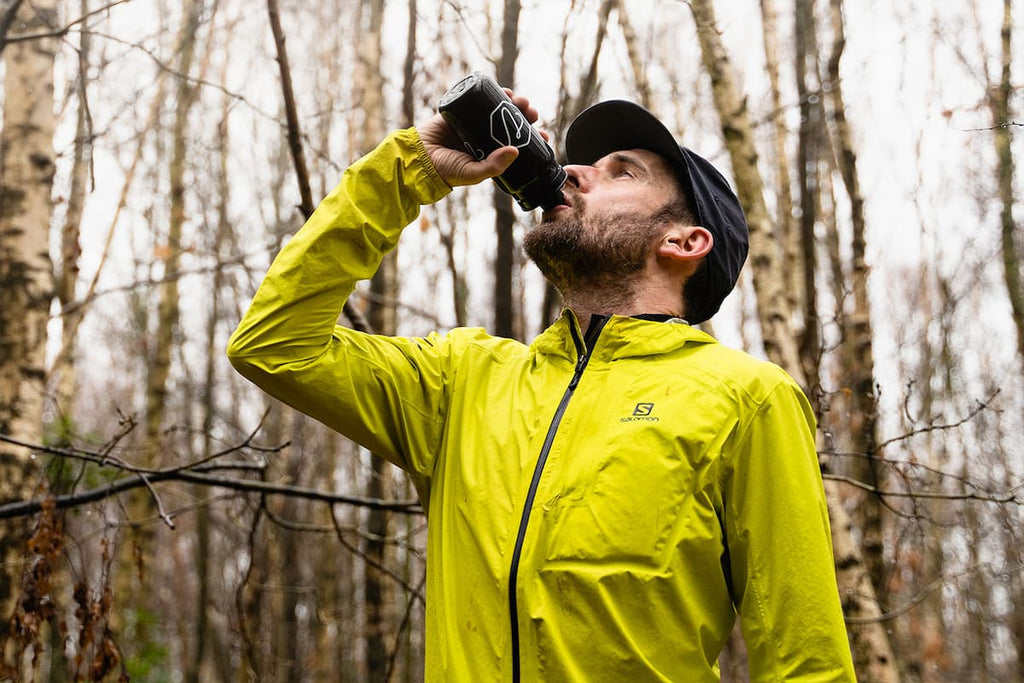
[{"x": 602, "y": 503}]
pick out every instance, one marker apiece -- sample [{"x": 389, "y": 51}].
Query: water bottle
[{"x": 485, "y": 118}]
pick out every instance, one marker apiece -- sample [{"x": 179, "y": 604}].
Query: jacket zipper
[{"x": 583, "y": 351}]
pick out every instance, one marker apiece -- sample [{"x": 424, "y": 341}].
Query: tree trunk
[
  {"x": 205, "y": 551},
  {"x": 636, "y": 57},
  {"x": 136, "y": 552},
  {"x": 504, "y": 218},
  {"x": 872, "y": 649},
  {"x": 856, "y": 591},
  {"x": 769, "y": 280},
  {"x": 67, "y": 279},
  {"x": 382, "y": 317},
  {"x": 859, "y": 358},
  {"x": 807, "y": 158},
  {"x": 999, "y": 103},
  {"x": 788, "y": 234},
  {"x": 26, "y": 279}
]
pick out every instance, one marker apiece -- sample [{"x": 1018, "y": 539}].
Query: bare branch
[
  {"x": 199, "y": 472},
  {"x": 981, "y": 405},
  {"x": 90, "y": 297},
  {"x": 917, "y": 599},
  {"x": 988, "y": 129},
  {"x": 199, "y": 476},
  {"x": 295, "y": 137},
  {"x": 415, "y": 592},
  {"x": 1011, "y": 496},
  {"x": 6, "y": 19},
  {"x": 61, "y": 32},
  {"x": 158, "y": 501}
]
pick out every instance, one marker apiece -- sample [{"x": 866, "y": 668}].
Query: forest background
[{"x": 163, "y": 520}]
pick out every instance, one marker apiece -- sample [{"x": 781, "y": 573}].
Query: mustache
[{"x": 573, "y": 199}]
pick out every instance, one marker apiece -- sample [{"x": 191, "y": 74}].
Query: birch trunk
[
  {"x": 636, "y": 57},
  {"x": 26, "y": 277},
  {"x": 67, "y": 279},
  {"x": 859, "y": 357},
  {"x": 769, "y": 279},
  {"x": 787, "y": 229},
  {"x": 808, "y": 155},
  {"x": 857, "y": 592}
]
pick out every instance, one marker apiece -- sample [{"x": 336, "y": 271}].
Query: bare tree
[
  {"x": 67, "y": 277},
  {"x": 504, "y": 217},
  {"x": 26, "y": 282},
  {"x": 856, "y": 592},
  {"x": 998, "y": 100},
  {"x": 769, "y": 281},
  {"x": 136, "y": 552},
  {"x": 809, "y": 139}
]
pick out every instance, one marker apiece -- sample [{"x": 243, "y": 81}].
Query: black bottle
[{"x": 485, "y": 118}]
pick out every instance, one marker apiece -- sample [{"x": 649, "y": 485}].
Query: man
[{"x": 603, "y": 502}]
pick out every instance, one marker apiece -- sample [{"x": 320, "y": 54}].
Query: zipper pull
[{"x": 578, "y": 371}]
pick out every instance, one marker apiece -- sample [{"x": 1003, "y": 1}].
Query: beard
[{"x": 575, "y": 251}]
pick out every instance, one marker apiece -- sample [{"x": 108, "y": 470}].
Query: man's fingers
[
  {"x": 523, "y": 103},
  {"x": 500, "y": 159}
]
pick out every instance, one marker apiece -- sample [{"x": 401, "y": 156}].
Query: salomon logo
[
  {"x": 641, "y": 413},
  {"x": 643, "y": 409}
]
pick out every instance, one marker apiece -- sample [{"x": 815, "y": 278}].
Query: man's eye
[{"x": 624, "y": 173}]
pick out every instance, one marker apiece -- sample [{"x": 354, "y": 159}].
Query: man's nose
[{"x": 581, "y": 177}]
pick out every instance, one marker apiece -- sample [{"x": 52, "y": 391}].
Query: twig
[
  {"x": 982, "y": 405},
  {"x": 73, "y": 306},
  {"x": 373, "y": 563},
  {"x": 6, "y": 20},
  {"x": 156, "y": 499},
  {"x": 58, "y": 33},
  {"x": 917, "y": 599},
  {"x": 1011, "y": 496},
  {"x": 406, "y": 619},
  {"x": 103, "y": 458}
]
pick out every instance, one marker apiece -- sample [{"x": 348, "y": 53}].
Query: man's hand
[{"x": 449, "y": 156}]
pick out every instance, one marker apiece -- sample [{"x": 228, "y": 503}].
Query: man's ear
[{"x": 685, "y": 243}]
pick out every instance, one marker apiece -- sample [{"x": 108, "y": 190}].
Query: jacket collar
[{"x": 622, "y": 337}]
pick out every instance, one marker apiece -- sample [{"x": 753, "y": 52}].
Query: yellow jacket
[{"x": 597, "y": 511}]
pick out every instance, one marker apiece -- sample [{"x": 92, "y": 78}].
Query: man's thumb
[{"x": 500, "y": 159}]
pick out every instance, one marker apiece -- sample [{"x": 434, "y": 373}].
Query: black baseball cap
[{"x": 615, "y": 125}]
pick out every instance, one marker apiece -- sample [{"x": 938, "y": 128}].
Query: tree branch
[
  {"x": 355, "y": 316},
  {"x": 1011, "y": 496},
  {"x": 198, "y": 472},
  {"x": 981, "y": 405},
  {"x": 57, "y": 33},
  {"x": 6, "y": 19}
]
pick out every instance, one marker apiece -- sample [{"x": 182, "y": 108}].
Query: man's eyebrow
[{"x": 629, "y": 159}]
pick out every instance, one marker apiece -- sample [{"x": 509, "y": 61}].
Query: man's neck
[{"x": 621, "y": 301}]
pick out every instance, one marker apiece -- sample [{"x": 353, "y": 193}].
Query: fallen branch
[{"x": 201, "y": 475}]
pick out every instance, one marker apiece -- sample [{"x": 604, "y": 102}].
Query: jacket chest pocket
[{"x": 636, "y": 495}]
